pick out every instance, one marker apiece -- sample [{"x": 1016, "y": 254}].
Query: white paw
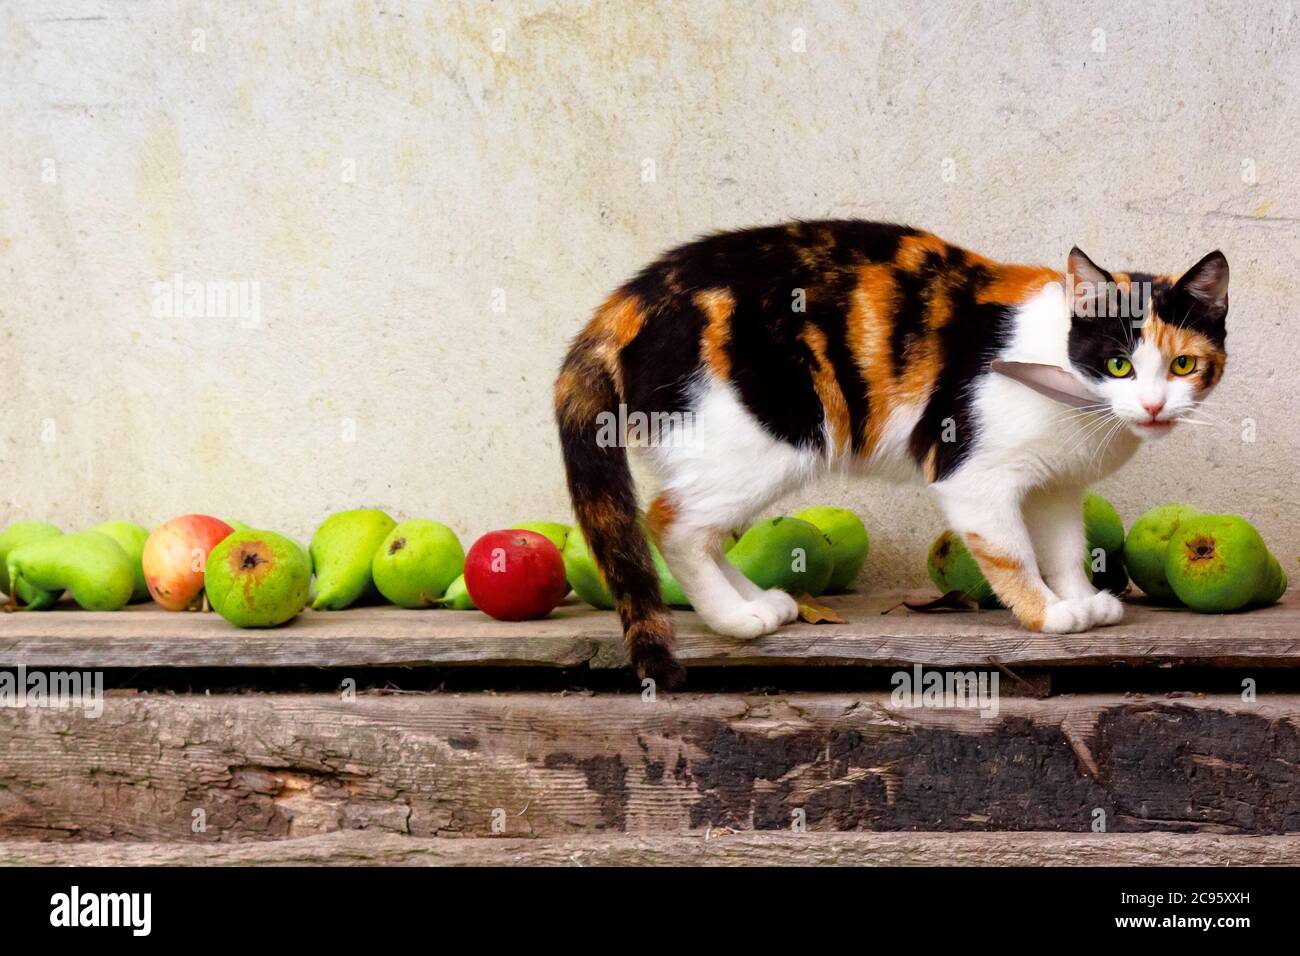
[
  {"x": 746, "y": 620},
  {"x": 1068, "y": 617},
  {"x": 1106, "y": 609},
  {"x": 787, "y": 609}
]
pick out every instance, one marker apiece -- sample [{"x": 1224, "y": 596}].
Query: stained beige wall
[{"x": 430, "y": 198}]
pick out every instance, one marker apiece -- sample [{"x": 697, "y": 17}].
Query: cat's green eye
[
  {"x": 1119, "y": 366},
  {"x": 1183, "y": 365}
]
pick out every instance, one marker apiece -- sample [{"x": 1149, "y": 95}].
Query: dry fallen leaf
[
  {"x": 814, "y": 613},
  {"x": 952, "y": 601}
]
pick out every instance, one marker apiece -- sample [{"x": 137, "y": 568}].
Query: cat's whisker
[
  {"x": 1087, "y": 433},
  {"x": 1196, "y": 410},
  {"x": 1100, "y": 456},
  {"x": 1075, "y": 414}
]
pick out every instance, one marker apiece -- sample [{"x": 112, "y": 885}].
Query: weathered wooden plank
[
  {"x": 252, "y": 767},
  {"x": 717, "y": 848},
  {"x": 577, "y": 636}
]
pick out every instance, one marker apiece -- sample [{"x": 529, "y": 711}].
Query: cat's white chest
[{"x": 1036, "y": 435}]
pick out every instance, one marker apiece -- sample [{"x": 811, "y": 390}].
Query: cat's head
[{"x": 1150, "y": 346}]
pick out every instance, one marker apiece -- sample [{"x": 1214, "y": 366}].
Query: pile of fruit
[
  {"x": 1210, "y": 563},
  {"x": 1174, "y": 553},
  {"x": 254, "y": 578}
]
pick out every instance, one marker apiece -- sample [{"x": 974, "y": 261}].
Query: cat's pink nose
[{"x": 1153, "y": 408}]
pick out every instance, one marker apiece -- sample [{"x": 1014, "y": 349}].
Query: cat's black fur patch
[
  {"x": 771, "y": 366},
  {"x": 973, "y": 337}
]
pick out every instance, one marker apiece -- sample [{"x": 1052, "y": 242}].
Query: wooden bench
[{"x": 390, "y": 736}]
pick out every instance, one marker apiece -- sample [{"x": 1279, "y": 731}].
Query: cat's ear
[
  {"x": 1207, "y": 284},
  {"x": 1088, "y": 284}
]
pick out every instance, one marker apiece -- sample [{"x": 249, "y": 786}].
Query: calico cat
[{"x": 763, "y": 357}]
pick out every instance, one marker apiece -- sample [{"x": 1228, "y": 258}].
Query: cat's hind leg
[
  {"x": 692, "y": 550},
  {"x": 728, "y": 470}
]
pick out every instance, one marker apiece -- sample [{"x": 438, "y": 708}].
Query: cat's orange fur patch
[
  {"x": 828, "y": 389},
  {"x": 928, "y": 468},
  {"x": 619, "y": 318},
  {"x": 717, "y": 306},
  {"x": 912, "y": 250},
  {"x": 660, "y": 515},
  {"x": 870, "y": 330},
  {"x": 870, "y": 324},
  {"x": 1175, "y": 340},
  {"x": 575, "y": 400},
  {"x": 1013, "y": 284},
  {"x": 616, "y": 323},
  {"x": 1011, "y": 582}
]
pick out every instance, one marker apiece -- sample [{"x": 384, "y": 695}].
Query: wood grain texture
[
  {"x": 694, "y": 849},
  {"x": 256, "y": 767},
  {"x": 578, "y": 636}
]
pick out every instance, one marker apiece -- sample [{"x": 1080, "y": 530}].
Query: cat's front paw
[
  {"x": 786, "y": 608},
  {"x": 1068, "y": 617},
  {"x": 1106, "y": 609}
]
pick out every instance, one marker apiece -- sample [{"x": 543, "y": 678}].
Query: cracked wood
[{"x": 541, "y": 764}]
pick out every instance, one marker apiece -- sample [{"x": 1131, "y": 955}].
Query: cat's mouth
[{"x": 1153, "y": 426}]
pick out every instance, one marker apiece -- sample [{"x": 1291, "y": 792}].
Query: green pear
[
  {"x": 1274, "y": 585},
  {"x": 257, "y": 578},
  {"x": 584, "y": 577},
  {"x": 416, "y": 563},
  {"x": 342, "y": 550},
  {"x": 669, "y": 589},
  {"x": 90, "y": 564},
  {"x": 1104, "y": 530},
  {"x": 17, "y": 534},
  {"x": 131, "y": 537},
  {"x": 456, "y": 597},
  {"x": 552, "y": 531},
  {"x": 786, "y": 553},
  {"x": 849, "y": 543},
  {"x": 1218, "y": 564},
  {"x": 1144, "y": 548},
  {"x": 238, "y": 525},
  {"x": 589, "y": 584},
  {"x": 953, "y": 568}
]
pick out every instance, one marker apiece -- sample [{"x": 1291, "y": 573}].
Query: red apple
[
  {"x": 175, "y": 557},
  {"x": 515, "y": 575}
]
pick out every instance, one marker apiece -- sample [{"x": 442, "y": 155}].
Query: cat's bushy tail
[{"x": 604, "y": 501}]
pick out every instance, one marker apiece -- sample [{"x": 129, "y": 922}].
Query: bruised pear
[
  {"x": 1219, "y": 563},
  {"x": 1145, "y": 546},
  {"x": 257, "y": 578},
  {"x": 953, "y": 568}
]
